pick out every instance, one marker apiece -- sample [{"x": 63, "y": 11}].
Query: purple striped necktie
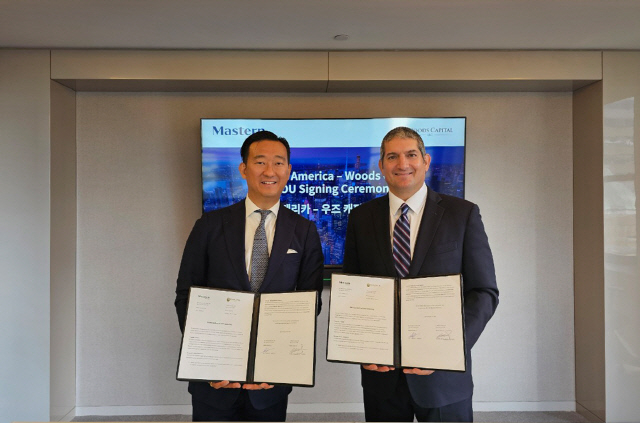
[{"x": 401, "y": 243}]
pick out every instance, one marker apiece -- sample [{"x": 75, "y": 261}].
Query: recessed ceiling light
[{"x": 341, "y": 37}]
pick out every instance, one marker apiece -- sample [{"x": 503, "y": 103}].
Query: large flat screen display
[{"x": 334, "y": 165}]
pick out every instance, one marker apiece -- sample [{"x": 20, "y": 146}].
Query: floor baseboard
[{"x": 133, "y": 410}]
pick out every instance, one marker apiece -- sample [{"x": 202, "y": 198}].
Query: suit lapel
[
  {"x": 431, "y": 217},
  {"x": 381, "y": 232},
  {"x": 285, "y": 227},
  {"x": 233, "y": 228}
]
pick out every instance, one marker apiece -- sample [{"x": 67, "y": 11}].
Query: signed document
[
  {"x": 361, "y": 319},
  {"x": 413, "y": 323},
  {"x": 248, "y": 337},
  {"x": 431, "y": 323},
  {"x": 285, "y": 351}
]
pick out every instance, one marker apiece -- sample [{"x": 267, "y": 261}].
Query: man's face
[
  {"x": 266, "y": 172},
  {"x": 403, "y": 166}
]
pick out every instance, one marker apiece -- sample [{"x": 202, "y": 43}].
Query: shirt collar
[
  {"x": 250, "y": 207},
  {"x": 415, "y": 202}
]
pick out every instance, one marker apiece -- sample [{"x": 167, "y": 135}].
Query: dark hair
[
  {"x": 402, "y": 132},
  {"x": 262, "y": 136}
]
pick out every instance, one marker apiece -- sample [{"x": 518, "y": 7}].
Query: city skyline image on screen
[{"x": 334, "y": 165}]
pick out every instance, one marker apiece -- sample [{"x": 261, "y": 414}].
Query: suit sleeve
[
  {"x": 312, "y": 264},
  {"x": 479, "y": 278},
  {"x": 193, "y": 268}
]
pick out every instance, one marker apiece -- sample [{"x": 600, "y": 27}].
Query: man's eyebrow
[
  {"x": 403, "y": 152},
  {"x": 262, "y": 156}
]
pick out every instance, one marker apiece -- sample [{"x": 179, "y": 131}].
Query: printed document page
[
  {"x": 285, "y": 347},
  {"x": 361, "y": 319},
  {"x": 215, "y": 344},
  {"x": 432, "y": 334}
]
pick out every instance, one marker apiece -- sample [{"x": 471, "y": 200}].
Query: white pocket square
[{"x": 290, "y": 251}]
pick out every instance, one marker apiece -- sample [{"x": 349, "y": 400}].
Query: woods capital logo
[{"x": 434, "y": 130}]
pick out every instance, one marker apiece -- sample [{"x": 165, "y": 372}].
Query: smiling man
[
  {"x": 254, "y": 245},
  {"x": 414, "y": 231}
]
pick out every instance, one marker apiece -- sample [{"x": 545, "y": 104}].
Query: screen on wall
[{"x": 334, "y": 165}]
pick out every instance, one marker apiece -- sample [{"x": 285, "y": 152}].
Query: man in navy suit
[
  {"x": 219, "y": 254},
  {"x": 446, "y": 236}
]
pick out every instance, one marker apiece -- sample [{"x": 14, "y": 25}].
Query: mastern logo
[{"x": 221, "y": 130}]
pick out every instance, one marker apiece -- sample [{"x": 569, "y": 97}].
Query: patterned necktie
[
  {"x": 260, "y": 253},
  {"x": 401, "y": 243}
]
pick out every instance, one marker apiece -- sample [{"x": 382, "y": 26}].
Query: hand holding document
[
  {"x": 415, "y": 323},
  {"x": 260, "y": 339},
  {"x": 224, "y": 384},
  {"x": 256, "y": 387},
  {"x": 419, "y": 372},
  {"x": 376, "y": 368}
]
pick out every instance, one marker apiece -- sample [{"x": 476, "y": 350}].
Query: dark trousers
[
  {"x": 241, "y": 411},
  {"x": 401, "y": 408}
]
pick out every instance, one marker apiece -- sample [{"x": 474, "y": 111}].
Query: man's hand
[
  {"x": 376, "y": 368},
  {"x": 420, "y": 372},
  {"x": 254, "y": 387},
  {"x": 224, "y": 384}
]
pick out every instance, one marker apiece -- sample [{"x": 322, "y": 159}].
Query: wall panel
[
  {"x": 24, "y": 229},
  {"x": 139, "y": 195}
]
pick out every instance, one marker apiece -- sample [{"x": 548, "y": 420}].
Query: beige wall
[
  {"x": 63, "y": 251},
  {"x": 139, "y": 194},
  {"x": 588, "y": 251},
  {"x": 528, "y": 187},
  {"x": 24, "y": 235}
]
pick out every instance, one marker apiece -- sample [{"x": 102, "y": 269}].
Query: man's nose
[{"x": 268, "y": 170}]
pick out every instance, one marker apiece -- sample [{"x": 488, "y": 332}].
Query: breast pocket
[
  {"x": 443, "y": 259},
  {"x": 289, "y": 270},
  {"x": 443, "y": 248},
  {"x": 292, "y": 258}
]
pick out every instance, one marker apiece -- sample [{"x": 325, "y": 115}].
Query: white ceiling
[{"x": 312, "y": 24}]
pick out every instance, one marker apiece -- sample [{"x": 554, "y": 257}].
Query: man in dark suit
[
  {"x": 435, "y": 235},
  {"x": 254, "y": 245}
]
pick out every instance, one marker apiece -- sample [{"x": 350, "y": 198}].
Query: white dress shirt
[
  {"x": 416, "y": 206},
  {"x": 251, "y": 224}
]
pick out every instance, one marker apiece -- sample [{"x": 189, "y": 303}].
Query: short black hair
[
  {"x": 262, "y": 136},
  {"x": 402, "y": 132}
]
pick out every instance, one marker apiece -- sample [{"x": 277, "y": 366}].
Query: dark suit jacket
[
  {"x": 451, "y": 239},
  {"x": 214, "y": 256}
]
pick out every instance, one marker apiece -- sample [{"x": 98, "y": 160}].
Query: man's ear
[
  {"x": 427, "y": 161},
  {"x": 242, "y": 168}
]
